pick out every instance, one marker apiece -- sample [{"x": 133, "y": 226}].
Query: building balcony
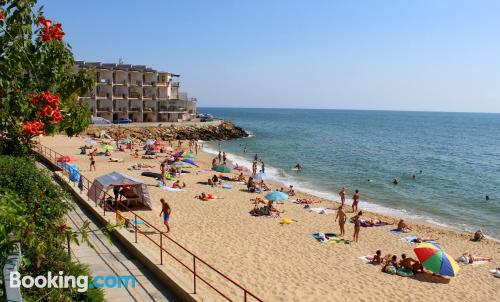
[
  {"x": 147, "y": 109},
  {"x": 135, "y": 83},
  {"x": 104, "y": 96},
  {"x": 165, "y": 109},
  {"x": 120, "y": 109},
  {"x": 103, "y": 109},
  {"x": 119, "y": 96},
  {"x": 134, "y": 95},
  {"x": 174, "y": 84},
  {"x": 134, "y": 109},
  {"x": 103, "y": 81},
  {"x": 123, "y": 82}
]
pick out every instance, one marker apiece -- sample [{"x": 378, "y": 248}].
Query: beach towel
[
  {"x": 170, "y": 189},
  {"x": 151, "y": 174},
  {"x": 367, "y": 258},
  {"x": 410, "y": 239},
  {"x": 403, "y": 272},
  {"x": 321, "y": 210},
  {"x": 227, "y": 187},
  {"x": 329, "y": 238},
  {"x": 397, "y": 232}
]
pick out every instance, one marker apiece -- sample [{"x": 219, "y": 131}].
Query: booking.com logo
[{"x": 81, "y": 283}]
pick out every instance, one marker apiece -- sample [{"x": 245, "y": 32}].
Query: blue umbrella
[
  {"x": 276, "y": 196},
  {"x": 150, "y": 142},
  {"x": 259, "y": 176},
  {"x": 179, "y": 164},
  {"x": 189, "y": 161}
]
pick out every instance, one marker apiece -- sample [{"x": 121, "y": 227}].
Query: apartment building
[{"x": 137, "y": 92}]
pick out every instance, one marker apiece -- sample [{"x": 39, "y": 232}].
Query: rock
[{"x": 224, "y": 131}]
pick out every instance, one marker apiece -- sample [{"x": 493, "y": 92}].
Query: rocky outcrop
[{"x": 200, "y": 131}]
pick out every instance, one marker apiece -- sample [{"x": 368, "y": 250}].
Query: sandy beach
[{"x": 283, "y": 262}]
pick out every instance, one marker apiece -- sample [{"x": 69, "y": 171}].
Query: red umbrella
[{"x": 66, "y": 159}]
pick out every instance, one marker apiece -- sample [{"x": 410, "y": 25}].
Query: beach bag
[{"x": 391, "y": 270}]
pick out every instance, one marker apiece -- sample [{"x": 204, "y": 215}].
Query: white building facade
[{"x": 136, "y": 92}]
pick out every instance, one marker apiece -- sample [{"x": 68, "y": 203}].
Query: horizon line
[{"x": 348, "y": 109}]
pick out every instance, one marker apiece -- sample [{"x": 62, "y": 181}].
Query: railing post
[
  {"x": 135, "y": 227},
  {"x": 161, "y": 248},
  {"x": 245, "y": 296},
  {"x": 194, "y": 274}
]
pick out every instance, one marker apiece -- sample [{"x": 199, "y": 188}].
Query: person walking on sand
[
  {"x": 342, "y": 195},
  {"x": 92, "y": 161},
  {"x": 355, "y": 200},
  {"x": 342, "y": 219},
  {"x": 357, "y": 226},
  {"x": 166, "y": 211},
  {"x": 162, "y": 172}
]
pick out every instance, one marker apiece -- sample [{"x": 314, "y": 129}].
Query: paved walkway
[{"x": 112, "y": 259}]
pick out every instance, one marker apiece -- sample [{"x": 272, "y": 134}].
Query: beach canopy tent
[{"x": 103, "y": 183}]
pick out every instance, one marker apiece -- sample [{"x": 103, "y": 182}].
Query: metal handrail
[{"x": 53, "y": 155}]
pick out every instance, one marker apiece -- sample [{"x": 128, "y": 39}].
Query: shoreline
[{"x": 365, "y": 206}]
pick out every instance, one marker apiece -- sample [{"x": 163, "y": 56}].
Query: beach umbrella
[
  {"x": 433, "y": 258},
  {"x": 91, "y": 142},
  {"x": 107, "y": 147},
  {"x": 179, "y": 164},
  {"x": 190, "y": 155},
  {"x": 66, "y": 159},
  {"x": 221, "y": 169},
  {"x": 276, "y": 196},
  {"x": 189, "y": 161},
  {"x": 150, "y": 142},
  {"x": 179, "y": 154},
  {"x": 259, "y": 176},
  {"x": 241, "y": 168}
]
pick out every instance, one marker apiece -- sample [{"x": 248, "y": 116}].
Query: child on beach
[{"x": 166, "y": 211}]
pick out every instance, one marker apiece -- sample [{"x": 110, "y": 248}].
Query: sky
[{"x": 388, "y": 55}]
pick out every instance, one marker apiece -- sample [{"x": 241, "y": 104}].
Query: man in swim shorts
[
  {"x": 355, "y": 200},
  {"x": 166, "y": 211}
]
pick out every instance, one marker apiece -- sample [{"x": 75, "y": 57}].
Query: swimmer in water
[
  {"x": 298, "y": 167},
  {"x": 395, "y": 181},
  {"x": 487, "y": 197},
  {"x": 413, "y": 177}
]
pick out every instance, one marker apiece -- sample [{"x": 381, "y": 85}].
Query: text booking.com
[{"x": 81, "y": 283}]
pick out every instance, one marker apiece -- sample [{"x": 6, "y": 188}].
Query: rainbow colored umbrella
[{"x": 433, "y": 258}]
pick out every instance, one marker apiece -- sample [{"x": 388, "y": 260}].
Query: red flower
[
  {"x": 2, "y": 16},
  {"x": 57, "y": 116},
  {"x": 33, "y": 127},
  {"x": 63, "y": 228},
  {"x": 57, "y": 32},
  {"x": 45, "y": 22},
  {"x": 47, "y": 111},
  {"x": 46, "y": 36}
]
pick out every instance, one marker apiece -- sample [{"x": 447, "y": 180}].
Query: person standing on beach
[
  {"x": 262, "y": 167},
  {"x": 92, "y": 161},
  {"x": 355, "y": 200},
  {"x": 166, "y": 211},
  {"x": 162, "y": 171},
  {"x": 224, "y": 158},
  {"x": 220, "y": 157},
  {"x": 342, "y": 219},
  {"x": 254, "y": 167},
  {"x": 357, "y": 226},
  {"x": 342, "y": 196}
]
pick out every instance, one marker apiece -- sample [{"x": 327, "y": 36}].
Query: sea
[{"x": 455, "y": 158}]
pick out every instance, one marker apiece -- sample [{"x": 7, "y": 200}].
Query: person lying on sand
[
  {"x": 420, "y": 240},
  {"x": 272, "y": 208},
  {"x": 107, "y": 153},
  {"x": 258, "y": 200},
  {"x": 306, "y": 201},
  {"x": 370, "y": 222},
  {"x": 177, "y": 185},
  {"x": 377, "y": 259},
  {"x": 411, "y": 264},
  {"x": 402, "y": 226},
  {"x": 468, "y": 258},
  {"x": 115, "y": 160},
  {"x": 478, "y": 236},
  {"x": 207, "y": 196}
]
